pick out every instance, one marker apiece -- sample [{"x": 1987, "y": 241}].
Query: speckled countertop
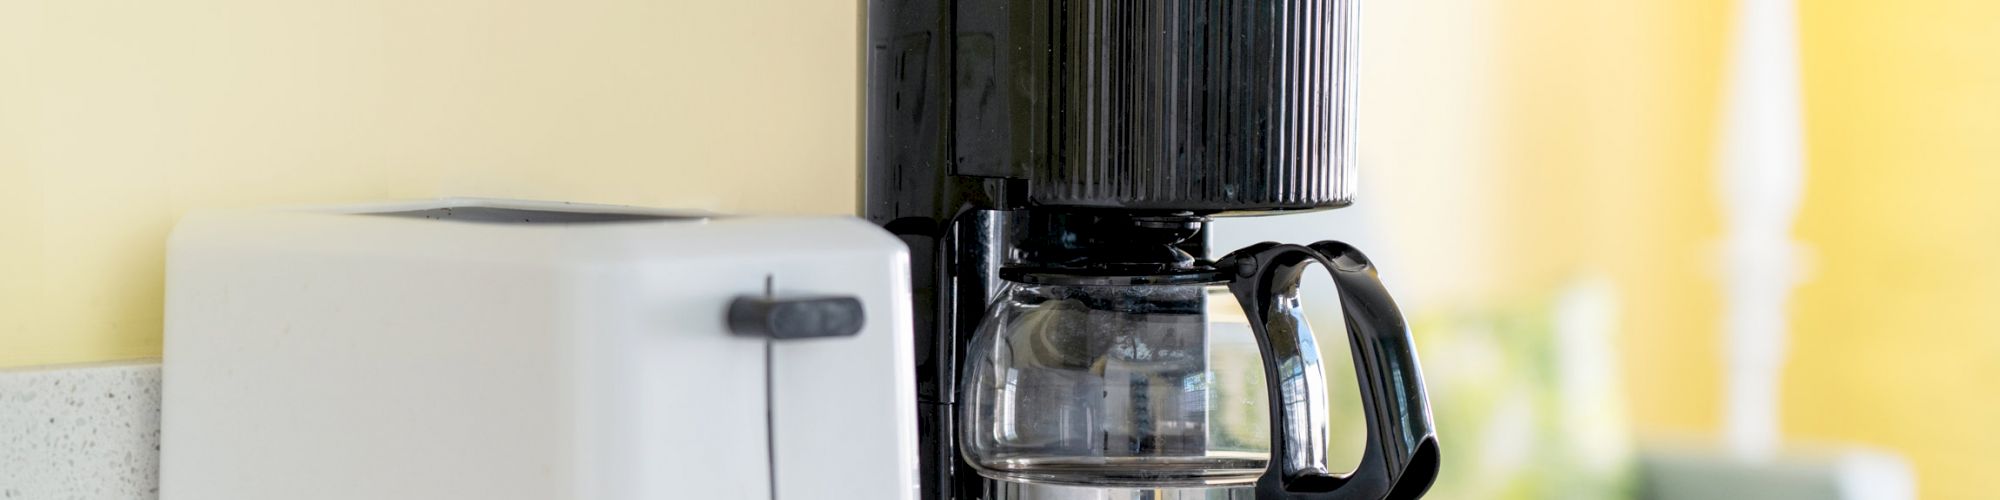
[{"x": 80, "y": 432}]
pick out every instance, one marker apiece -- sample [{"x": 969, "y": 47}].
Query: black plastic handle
[
  {"x": 796, "y": 318},
  {"x": 1401, "y": 459}
]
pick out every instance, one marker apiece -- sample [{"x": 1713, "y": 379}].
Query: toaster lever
[{"x": 796, "y": 318}]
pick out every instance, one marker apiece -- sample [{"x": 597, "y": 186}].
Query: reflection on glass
[{"x": 1138, "y": 385}]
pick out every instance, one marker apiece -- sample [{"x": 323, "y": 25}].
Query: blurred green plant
[{"x": 1526, "y": 403}]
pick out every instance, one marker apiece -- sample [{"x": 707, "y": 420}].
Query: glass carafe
[
  {"x": 1202, "y": 377},
  {"x": 1114, "y": 385}
]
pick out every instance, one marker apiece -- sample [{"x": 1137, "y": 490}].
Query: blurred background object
[
  {"x": 1764, "y": 243},
  {"x": 1590, "y": 209}
]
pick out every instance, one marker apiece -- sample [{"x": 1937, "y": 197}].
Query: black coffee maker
[{"x": 1068, "y": 155}]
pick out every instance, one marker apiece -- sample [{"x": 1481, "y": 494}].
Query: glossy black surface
[
  {"x": 908, "y": 187},
  {"x": 1149, "y": 105},
  {"x": 1110, "y": 242},
  {"x": 1401, "y": 458},
  {"x": 1196, "y": 105}
]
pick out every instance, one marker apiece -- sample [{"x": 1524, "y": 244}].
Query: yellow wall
[
  {"x": 1523, "y": 145},
  {"x": 116, "y": 117},
  {"x": 1897, "y": 335},
  {"x": 1609, "y": 119},
  {"x": 1573, "y": 137},
  {"x": 1598, "y": 125}
]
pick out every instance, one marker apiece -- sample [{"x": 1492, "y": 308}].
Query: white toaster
[{"x": 494, "y": 350}]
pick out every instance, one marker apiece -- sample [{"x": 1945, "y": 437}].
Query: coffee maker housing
[{"x": 1094, "y": 136}]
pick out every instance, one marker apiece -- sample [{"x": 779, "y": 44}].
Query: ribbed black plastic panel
[{"x": 1228, "y": 105}]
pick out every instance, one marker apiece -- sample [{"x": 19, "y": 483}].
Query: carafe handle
[{"x": 1401, "y": 457}]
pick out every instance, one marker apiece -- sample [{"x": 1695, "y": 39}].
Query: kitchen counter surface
[{"x": 80, "y": 432}]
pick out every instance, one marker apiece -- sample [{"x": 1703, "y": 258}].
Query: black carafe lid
[{"x": 1110, "y": 248}]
